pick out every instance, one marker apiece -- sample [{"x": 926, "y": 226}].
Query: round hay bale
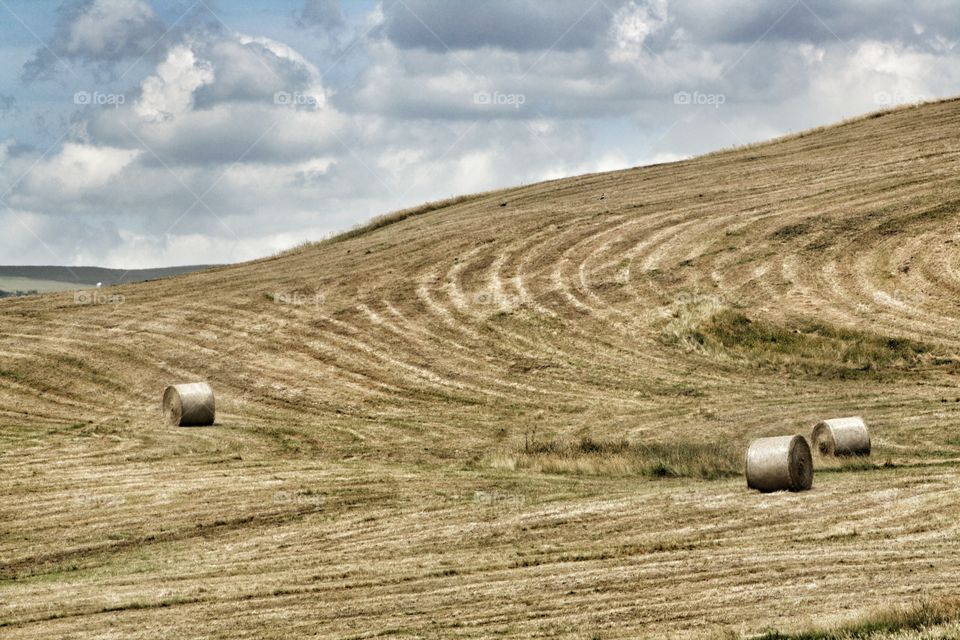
[
  {"x": 782, "y": 463},
  {"x": 189, "y": 405},
  {"x": 842, "y": 437}
]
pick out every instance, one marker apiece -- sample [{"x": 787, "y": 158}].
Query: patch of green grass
[
  {"x": 811, "y": 348},
  {"x": 792, "y": 231},
  {"x": 881, "y": 623},
  {"x": 10, "y": 375},
  {"x": 936, "y": 212}
]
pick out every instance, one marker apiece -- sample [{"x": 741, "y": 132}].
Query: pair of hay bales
[
  {"x": 784, "y": 463},
  {"x": 189, "y": 405}
]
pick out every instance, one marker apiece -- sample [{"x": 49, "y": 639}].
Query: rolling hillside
[{"x": 516, "y": 414}]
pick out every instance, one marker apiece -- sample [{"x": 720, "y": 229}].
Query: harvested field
[{"x": 449, "y": 424}]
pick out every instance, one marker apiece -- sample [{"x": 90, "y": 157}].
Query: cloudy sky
[{"x": 139, "y": 133}]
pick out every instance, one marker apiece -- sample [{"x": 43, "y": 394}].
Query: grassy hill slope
[{"x": 515, "y": 414}]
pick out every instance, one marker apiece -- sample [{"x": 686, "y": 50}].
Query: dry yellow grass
[{"x": 367, "y": 476}]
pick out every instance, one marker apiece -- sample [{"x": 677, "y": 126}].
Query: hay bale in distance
[
  {"x": 189, "y": 405},
  {"x": 781, "y": 463},
  {"x": 842, "y": 437}
]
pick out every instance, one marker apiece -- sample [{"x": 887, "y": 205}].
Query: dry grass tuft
[
  {"x": 620, "y": 457},
  {"x": 885, "y": 622}
]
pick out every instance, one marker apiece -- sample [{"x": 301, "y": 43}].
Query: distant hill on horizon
[{"x": 46, "y": 279}]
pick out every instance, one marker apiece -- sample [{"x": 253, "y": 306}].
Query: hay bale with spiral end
[
  {"x": 781, "y": 463},
  {"x": 842, "y": 437},
  {"x": 189, "y": 405}
]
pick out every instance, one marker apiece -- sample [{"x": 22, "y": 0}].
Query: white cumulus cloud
[{"x": 169, "y": 92}]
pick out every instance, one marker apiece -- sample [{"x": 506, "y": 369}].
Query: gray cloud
[
  {"x": 326, "y": 14},
  {"x": 527, "y": 25},
  {"x": 8, "y": 104},
  {"x": 816, "y": 21},
  {"x": 248, "y": 71},
  {"x": 220, "y": 100},
  {"x": 516, "y": 25},
  {"x": 97, "y": 32}
]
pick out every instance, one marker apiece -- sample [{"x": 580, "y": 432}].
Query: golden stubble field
[{"x": 516, "y": 414}]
